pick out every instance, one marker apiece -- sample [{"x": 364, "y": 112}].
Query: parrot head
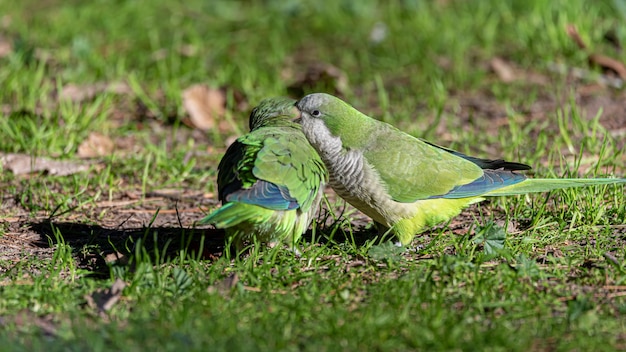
[
  {"x": 272, "y": 110},
  {"x": 328, "y": 121}
]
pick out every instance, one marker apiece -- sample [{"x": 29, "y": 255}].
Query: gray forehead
[{"x": 313, "y": 100}]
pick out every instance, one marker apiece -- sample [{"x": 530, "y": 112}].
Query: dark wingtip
[{"x": 507, "y": 165}]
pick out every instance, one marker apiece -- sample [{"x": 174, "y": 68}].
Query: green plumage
[
  {"x": 403, "y": 182},
  {"x": 270, "y": 180}
]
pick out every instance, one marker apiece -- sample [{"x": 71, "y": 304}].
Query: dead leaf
[
  {"x": 79, "y": 93},
  {"x": 610, "y": 64},
  {"x": 502, "y": 69},
  {"x": 127, "y": 144},
  {"x": 225, "y": 286},
  {"x": 188, "y": 50},
  {"x": 104, "y": 300},
  {"x": 573, "y": 33},
  {"x": 116, "y": 258},
  {"x": 20, "y": 164},
  {"x": 606, "y": 63},
  {"x": 5, "y": 21},
  {"x": 5, "y": 47},
  {"x": 205, "y": 105},
  {"x": 96, "y": 145}
]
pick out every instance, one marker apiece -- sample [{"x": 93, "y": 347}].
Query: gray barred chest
[{"x": 360, "y": 185}]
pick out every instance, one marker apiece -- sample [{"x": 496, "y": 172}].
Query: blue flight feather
[
  {"x": 489, "y": 181},
  {"x": 265, "y": 194}
]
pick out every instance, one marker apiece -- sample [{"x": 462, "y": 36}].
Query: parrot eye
[{"x": 316, "y": 113}]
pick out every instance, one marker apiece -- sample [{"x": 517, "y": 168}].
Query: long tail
[
  {"x": 533, "y": 185},
  {"x": 234, "y": 213}
]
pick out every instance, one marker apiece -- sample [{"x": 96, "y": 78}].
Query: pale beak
[{"x": 298, "y": 119}]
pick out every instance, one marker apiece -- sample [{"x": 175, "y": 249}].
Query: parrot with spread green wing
[
  {"x": 404, "y": 183},
  {"x": 270, "y": 181}
]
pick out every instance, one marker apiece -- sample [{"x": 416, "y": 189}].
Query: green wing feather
[
  {"x": 288, "y": 160},
  {"x": 414, "y": 170}
]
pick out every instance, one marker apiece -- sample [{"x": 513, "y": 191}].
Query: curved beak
[{"x": 298, "y": 118}]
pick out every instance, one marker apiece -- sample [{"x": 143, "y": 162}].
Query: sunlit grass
[{"x": 554, "y": 281}]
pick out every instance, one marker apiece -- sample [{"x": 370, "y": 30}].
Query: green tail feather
[
  {"x": 534, "y": 185},
  {"x": 234, "y": 213}
]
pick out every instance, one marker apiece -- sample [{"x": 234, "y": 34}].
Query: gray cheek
[
  {"x": 313, "y": 130},
  {"x": 308, "y": 128},
  {"x": 321, "y": 138}
]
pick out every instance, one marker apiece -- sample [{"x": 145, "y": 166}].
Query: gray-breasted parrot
[
  {"x": 402, "y": 182},
  {"x": 270, "y": 181}
]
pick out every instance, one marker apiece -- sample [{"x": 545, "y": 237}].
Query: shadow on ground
[{"x": 96, "y": 247}]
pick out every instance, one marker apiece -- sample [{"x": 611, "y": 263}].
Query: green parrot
[
  {"x": 270, "y": 181},
  {"x": 402, "y": 182}
]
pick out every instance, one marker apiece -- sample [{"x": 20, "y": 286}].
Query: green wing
[
  {"x": 274, "y": 167},
  {"x": 289, "y": 161},
  {"x": 412, "y": 169}
]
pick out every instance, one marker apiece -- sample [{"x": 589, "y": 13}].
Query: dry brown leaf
[
  {"x": 573, "y": 33},
  {"x": 116, "y": 258},
  {"x": 205, "y": 105},
  {"x": 5, "y": 47},
  {"x": 127, "y": 144},
  {"x": 79, "y": 93},
  {"x": 20, "y": 164},
  {"x": 95, "y": 145},
  {"x": 502, "y": 69},
  {"x": 603, "y": 61},
  {"x": 104, "y": 300},
  {"x": 5, "y": 21},
  {"x": 188, "y": 50},
  {"x": 607, "y": 63}
]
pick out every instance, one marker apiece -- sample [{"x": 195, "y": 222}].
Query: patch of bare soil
[{"x": 109, "y": 231}]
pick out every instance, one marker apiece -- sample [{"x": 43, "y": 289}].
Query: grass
[{"x": 554, "y": 281}]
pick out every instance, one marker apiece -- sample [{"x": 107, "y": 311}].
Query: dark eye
[{"x": 316, "y": 113}]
